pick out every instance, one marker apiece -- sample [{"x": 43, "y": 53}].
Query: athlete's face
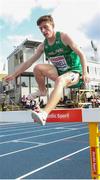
[{"x": 47, "y": 29}]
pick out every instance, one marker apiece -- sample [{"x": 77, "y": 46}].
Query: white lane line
[
  {"x": 16, "y": 129},
  {"x": 60, "y": 128},
  {"x": 8, "y": 123},
  {"x": 67, "y": 128},
  {"x": 28, "y": 142},
  {"x": 51, "y": 163},
  {"x": 37, "y": 130},
  {"x": 51, "y": 142},
  {"x": 21, "y": 150},
  {"x": 2, "y": 135},
  {"x": 20, "y": 128},
  {"x": 41, "y": 135}
]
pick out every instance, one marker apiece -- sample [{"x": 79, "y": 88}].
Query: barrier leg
[{"x": 94, "y": 150}]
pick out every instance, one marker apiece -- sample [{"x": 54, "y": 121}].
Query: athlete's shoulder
[
  {"x": 66, "y": 39},
  {"x": 64, "y": 36}
]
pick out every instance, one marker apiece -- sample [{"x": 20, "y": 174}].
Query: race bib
[{"x": 59, "y": 62}]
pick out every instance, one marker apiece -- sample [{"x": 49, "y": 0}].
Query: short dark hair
[{"x": 47, "y": 18}]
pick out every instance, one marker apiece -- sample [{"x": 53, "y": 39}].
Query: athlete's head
[
  {"x": 46, "y": 18},
  {"x": 46, "y": 25}
]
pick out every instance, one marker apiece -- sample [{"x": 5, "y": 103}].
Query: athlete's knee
[
  {"x": 60, "y": 81},
  {"x": 37, "y": 68}
]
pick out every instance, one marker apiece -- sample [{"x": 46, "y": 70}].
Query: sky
[{"x": 79, "y": 18}]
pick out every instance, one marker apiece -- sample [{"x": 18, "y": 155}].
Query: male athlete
[{"x": 68, "y": 64}]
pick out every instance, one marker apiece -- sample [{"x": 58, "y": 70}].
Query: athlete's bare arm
[
  {"x": 25, "y": 65},
  {"x": 68, "y": 41}
]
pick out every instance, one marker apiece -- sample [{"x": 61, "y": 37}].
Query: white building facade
[
  {"x": 25, "y": 83},
  {"x": 94, "y": 73}
]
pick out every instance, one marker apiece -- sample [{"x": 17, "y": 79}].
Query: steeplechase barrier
[
  {"x": 92, "y": 117},
  {"x": 89, "y": 115}
]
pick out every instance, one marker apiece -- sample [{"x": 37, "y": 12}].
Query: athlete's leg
[
  {"x": 44, "y": 70},
  {"x": 65, "y": 80}
]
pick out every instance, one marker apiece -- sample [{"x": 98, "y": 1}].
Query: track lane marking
[
  {"x": 51, "y": 163},
  {"x": 41, "y": 135},
  {"x": 28, "y": 142},
  {"x": 51, "y": 142},
  {"x": 36, "y": 131}
]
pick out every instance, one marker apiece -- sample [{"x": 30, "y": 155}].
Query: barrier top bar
[{"x": 74, "y": 115}]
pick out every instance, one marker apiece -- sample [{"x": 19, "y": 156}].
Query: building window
[
  {"x": 92, "y": 71},
  {"x": 21, "y": 56},
  {"x": 18, "y": 81},
  {"x": 33, "y": 84},
  {"x": 16, "y": 56},
  {"x": 88, "y": 69},
  {"x": 98, "y": 71},
  {"x": 16, "y": 61},
  {"x": 24, "y": 81}
]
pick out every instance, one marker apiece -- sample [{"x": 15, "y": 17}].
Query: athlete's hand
[
  {"x": 85, "y": 77},
  {"x": 9, "y": 78}
]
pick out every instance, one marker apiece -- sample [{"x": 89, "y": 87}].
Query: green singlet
[{"x": 62, "y": 56}]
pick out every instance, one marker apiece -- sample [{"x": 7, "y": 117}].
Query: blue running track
[{"x": 54, "y": 151}]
